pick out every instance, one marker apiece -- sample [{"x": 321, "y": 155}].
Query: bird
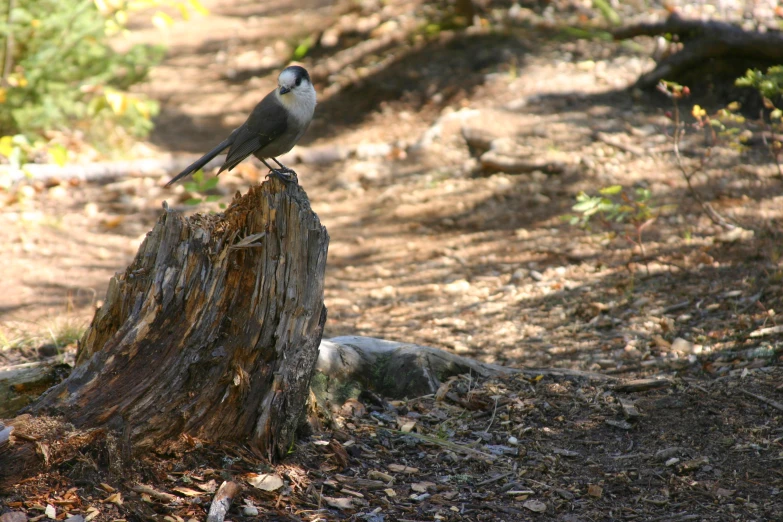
[{"x": 273, "y": 128}]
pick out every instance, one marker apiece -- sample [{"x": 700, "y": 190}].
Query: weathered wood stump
[{"x": 212, "y": 331}]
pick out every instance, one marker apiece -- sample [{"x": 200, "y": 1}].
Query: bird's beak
[{"x": 284, "y": 90}]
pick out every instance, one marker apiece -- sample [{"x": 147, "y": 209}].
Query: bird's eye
[{"x": 298, "y": 82}]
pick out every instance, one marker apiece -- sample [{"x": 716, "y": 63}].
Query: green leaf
[
  {"x": 210, "y": 183},
  {"x": 213, "y": 198},
  {"x": 193, "y": 201},
  {"x": 586, "y": 205},
  {"x": 612, "y": 190},
  {"x": 607, "y": 11},
  {"x": 303, "y": 48}
]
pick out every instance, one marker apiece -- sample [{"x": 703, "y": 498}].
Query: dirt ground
[{"x": 428, "y": 247}]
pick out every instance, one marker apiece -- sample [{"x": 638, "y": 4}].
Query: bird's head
[{"x": 294, "y": 80}]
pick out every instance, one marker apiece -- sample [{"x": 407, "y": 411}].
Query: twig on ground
[
  {"x": 459, "y": 448},
  {"x": 775, "y": 404},
  {"x": 154, "y": 493},
  {"x": 491, "y": 420}
]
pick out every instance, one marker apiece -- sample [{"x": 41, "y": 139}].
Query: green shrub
[{"x": 60, "y": 74}]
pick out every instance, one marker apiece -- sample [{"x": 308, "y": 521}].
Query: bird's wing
[{"x": 267, "y": 122}]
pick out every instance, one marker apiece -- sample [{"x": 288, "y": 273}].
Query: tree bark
[{"x": 212, "y": 331}]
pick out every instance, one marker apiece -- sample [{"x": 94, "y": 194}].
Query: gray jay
[{"x": 272, "y": 129}]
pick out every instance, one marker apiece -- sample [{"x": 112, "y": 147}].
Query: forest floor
[{"x": 431, "y": 244}]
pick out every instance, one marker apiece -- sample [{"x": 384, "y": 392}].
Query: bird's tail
[{"x": 203, "y": 160}]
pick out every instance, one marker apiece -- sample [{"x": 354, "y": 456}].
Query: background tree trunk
[{"x": 212, "y": 331}]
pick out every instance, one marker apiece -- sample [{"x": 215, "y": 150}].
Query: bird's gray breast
[{"x": 294, "y": 129}]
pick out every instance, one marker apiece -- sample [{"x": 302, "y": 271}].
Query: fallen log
[
  {"x": 703, "y": 40},
  {"x": 21, "y": 384}
]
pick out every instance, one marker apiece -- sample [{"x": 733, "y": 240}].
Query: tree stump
[{"x": 212, "y": 331}]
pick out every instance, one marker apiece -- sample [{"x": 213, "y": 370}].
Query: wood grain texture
[{"x": 212, "y": 331}]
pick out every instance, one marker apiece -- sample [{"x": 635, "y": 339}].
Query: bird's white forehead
[{"x": 287, "y": 77}]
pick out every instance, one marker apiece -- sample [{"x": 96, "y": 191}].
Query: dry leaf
[
  {"x": 353, "y": 408},
  {"x": 107, "y": 487},
  {"x": 113, "y": 221},
  {"x": 390, "y": 492},
  {"x": 595, "y": 490},
  {"x": 443, "y": 389},
  {"x": 208, "y": 487},
  {"x": 265, "y": 481},
  {"x": 50, "y": 512}
]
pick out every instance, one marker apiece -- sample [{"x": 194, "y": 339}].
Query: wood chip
[
  {"x": 399, "y": 468},
  {"x": 623, "y": 425},
  {"x": 114, "y": 498},
  {"x": 351, "y": 492},
  {"x": 380, "y": 475},
  {"x": 422, "y": 487},
  {"x": 407, "y": 427},
  {"x": 338, "y": 502},
  {"x": 535, "y": 506},
  {"x": 767, "y": 331},
  {"x": 187, "y": 491},
  {"x": 692, "y": 465},
  {"x": 629, "y": 409}
]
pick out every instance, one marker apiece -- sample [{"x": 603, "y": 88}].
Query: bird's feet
[{"x": 284, "y": 174}]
